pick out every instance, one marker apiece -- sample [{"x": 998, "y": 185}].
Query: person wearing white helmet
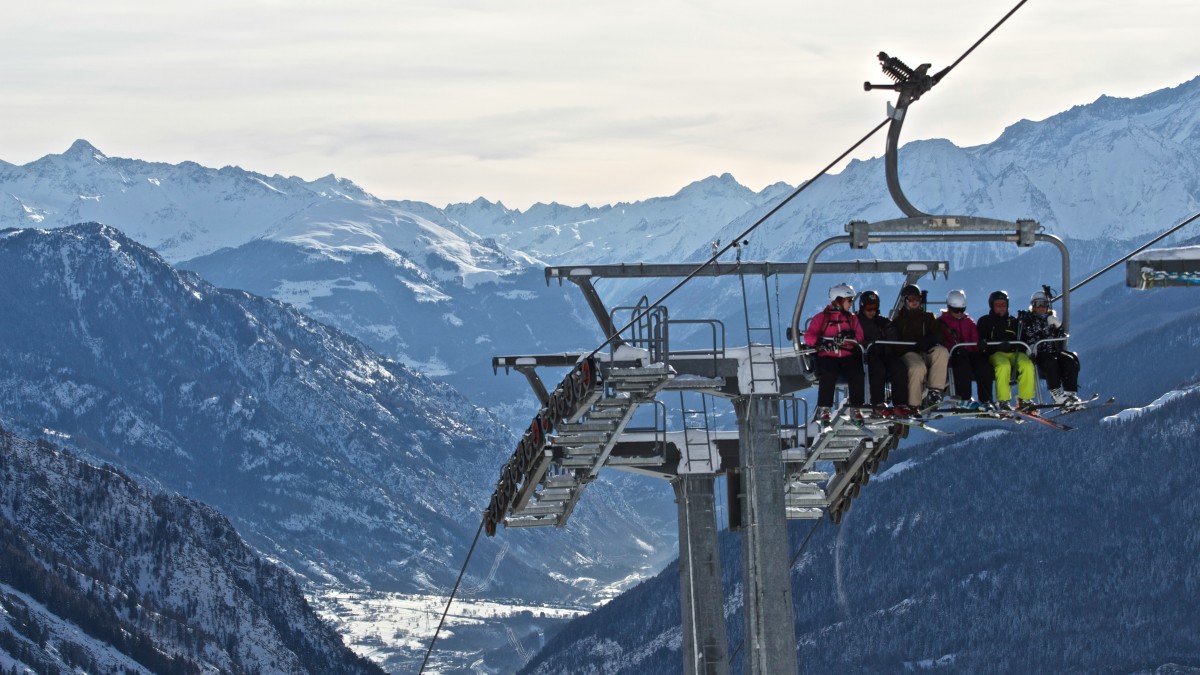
[
  {"x": 1042, "y": 329},
  {"x": 961, "y": 337},
  {"x": 926, "y": 360},
  {"x": 836, "y": 334}
]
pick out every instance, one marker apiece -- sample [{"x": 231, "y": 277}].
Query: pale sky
[{"x": 577, "y": 102}]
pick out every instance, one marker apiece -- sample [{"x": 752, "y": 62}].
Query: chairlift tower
[
  {"x": 771, "y": 461},
  {"x": 776, "y": 470}
]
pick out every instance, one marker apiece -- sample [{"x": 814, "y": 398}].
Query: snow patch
[
  {"x": 302, "y": 293},
  {"x": 1178, "y": 253},
  {"x": 432, "y": 367},
  {"x": 946, "y": 661},
  {"x": 896, "y": 469},
  {"x": 517, "y": 295},
  {"x": 1133, "y": 413}
]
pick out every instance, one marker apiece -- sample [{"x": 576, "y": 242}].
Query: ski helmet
[
  {"x": 868, "y": 298},
  {"x": 841, "y": 291},
  {"x": 997, "y": 295},
  {"x": 1038, "y": 296},
  {"x": 956, "y": 299},
  {"x": 910, "y": 289}
]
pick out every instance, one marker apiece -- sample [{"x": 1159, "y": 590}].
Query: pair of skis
[
  {"x": 1033, "y": 413},
  {"x": 1021, "y": 415},
  {"x": 917, "y": 420}
]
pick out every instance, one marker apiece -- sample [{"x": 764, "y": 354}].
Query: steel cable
[{"x": 735, "y": 242}]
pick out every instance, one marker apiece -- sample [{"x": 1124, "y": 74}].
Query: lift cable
[
  {"x": 1132, "y": 253},
  {"x": 946, "y": 71},
  {"x": 936, "y": 78},
  {"x": 737, "y": 241},
  {"x": 450, "y": 600}
]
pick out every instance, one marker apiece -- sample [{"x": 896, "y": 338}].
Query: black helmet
[
  {"x": 910, "y": 289},
  {"x": 997, "y": 295},
  {"x": 868, "y": 298}
]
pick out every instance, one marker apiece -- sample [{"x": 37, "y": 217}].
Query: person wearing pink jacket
[
  {"x": 967, "y": 362},
  {"x": 836, "y": 334}
]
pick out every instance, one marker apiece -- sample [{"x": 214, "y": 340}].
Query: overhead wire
[
  {"x": 1132, "y": 253},
  {"x": 736, "y": 241},
  {"x": 946, "y": 71},
  {"x": 937, "y": 78},
  {"x": 450, "y": 600}
]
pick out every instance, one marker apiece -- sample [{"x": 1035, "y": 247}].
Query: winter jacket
[
  {"x": 996, "y": 328},
  {"x": 831, "y": 323},
  {"x": 959, "y": 330},
  {"x": 877, "y": 328},
  {"x": 919, "y": 326},
  {"x": 1036, "y": 327}
]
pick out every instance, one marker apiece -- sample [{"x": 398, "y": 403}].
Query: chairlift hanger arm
[
  {"x": 582, "y": 276},
  {"x": 911, "y": 83}
]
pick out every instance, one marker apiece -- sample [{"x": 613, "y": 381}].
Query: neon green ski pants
[{"x": 1003, "y": 363}]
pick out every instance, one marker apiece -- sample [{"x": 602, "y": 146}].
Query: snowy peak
[
  {"x": 81, "y": 150},
  {"x": 343, "y": 187},
  {"x": 723, "y": 186},
  {"x": 649, "y": 230},
  {"x": 1166, "y": 112},
  {"x": 187, "y": 210}
]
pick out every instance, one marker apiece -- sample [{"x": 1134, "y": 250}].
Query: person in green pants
[{"x": 997, "y": 333}]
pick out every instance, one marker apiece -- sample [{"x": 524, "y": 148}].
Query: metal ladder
[
  {"x": 698, "y": 455},
  {"x": 763, "y": 369}
]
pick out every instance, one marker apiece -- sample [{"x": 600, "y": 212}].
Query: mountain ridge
[{"x": 101, "y": 575}]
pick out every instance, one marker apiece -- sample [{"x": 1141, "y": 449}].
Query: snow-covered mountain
[
  {"x": 350, "y": 468},
  {"x": 100, "y": 575},
  {"x": 444, "y": 329},
  {"x": 653, "y": 230},
  {"x": 186, "y": 210},
  {"x": 1114, "y": 168}
]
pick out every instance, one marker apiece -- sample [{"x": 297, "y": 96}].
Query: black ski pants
[
  {"x": 883, "y": 367},
  {"x": 1060, "y": 370},
  {"x": 829, "y": 369},
  {"x": 968, "y": 366}
]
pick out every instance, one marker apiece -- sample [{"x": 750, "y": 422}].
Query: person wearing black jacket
[
  {"x": 926, "y": 361},
  {"x": 882, "y": 365},
  {"x": 997, "y": 333},
  {"x": 1042, "y": 329}
]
